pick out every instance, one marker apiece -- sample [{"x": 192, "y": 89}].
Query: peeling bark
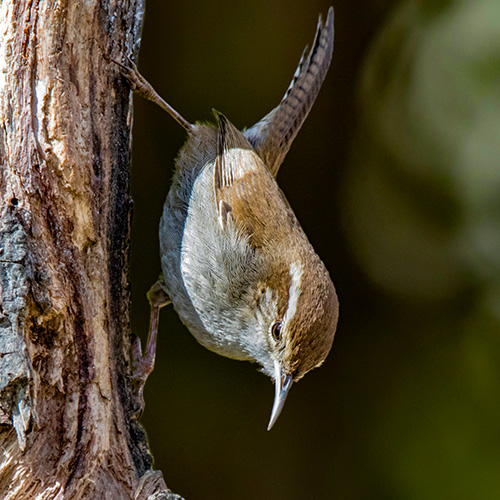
[{"x": 67, "y": 428}]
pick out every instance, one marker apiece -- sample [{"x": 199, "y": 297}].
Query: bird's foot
[{"x": 143, "y": 364}]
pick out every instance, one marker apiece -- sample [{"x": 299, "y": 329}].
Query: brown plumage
[{"x": 236, "y": 263}]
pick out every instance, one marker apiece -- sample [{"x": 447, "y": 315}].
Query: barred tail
[{"x": 272, "y": 136}]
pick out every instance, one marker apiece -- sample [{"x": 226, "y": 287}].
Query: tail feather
[{"x": 272, "y": 136}]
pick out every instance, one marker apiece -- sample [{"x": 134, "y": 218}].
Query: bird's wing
[{"x": 245, "y": 192}]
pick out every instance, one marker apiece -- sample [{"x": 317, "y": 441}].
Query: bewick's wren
[{"x": 236, "y": 264}]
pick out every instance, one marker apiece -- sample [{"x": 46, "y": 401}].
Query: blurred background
[{"x": 395, "y": 178}]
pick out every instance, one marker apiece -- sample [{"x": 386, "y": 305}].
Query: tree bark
[{"x": 67, "y": 424}]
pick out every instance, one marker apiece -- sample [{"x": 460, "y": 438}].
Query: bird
[{"x": 236, "y": 264}]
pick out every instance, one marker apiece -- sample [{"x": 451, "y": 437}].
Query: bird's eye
[{"x": 276, "y": 330}]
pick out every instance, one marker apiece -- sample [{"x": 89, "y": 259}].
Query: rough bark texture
[{"x": 67, "y": 428}]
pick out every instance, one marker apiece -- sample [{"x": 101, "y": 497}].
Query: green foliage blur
[{"x": 395, "y": 178}]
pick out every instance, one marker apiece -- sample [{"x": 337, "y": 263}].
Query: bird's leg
[
  {"x": 142, "y": 87},
  {"x": 143, "y": 364}
]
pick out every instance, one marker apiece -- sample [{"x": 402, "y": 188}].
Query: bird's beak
[{"x": 282, "y": 384}]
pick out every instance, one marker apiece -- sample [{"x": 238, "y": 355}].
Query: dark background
[{"x": 395, "y": 180}]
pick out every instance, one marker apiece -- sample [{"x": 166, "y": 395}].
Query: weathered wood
[{"x": 67, "y": 428}]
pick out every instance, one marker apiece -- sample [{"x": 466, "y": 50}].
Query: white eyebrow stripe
[{"x": 294, "y": 291}]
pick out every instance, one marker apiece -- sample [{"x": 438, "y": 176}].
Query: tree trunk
[{"x": 67, "y": 428}]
